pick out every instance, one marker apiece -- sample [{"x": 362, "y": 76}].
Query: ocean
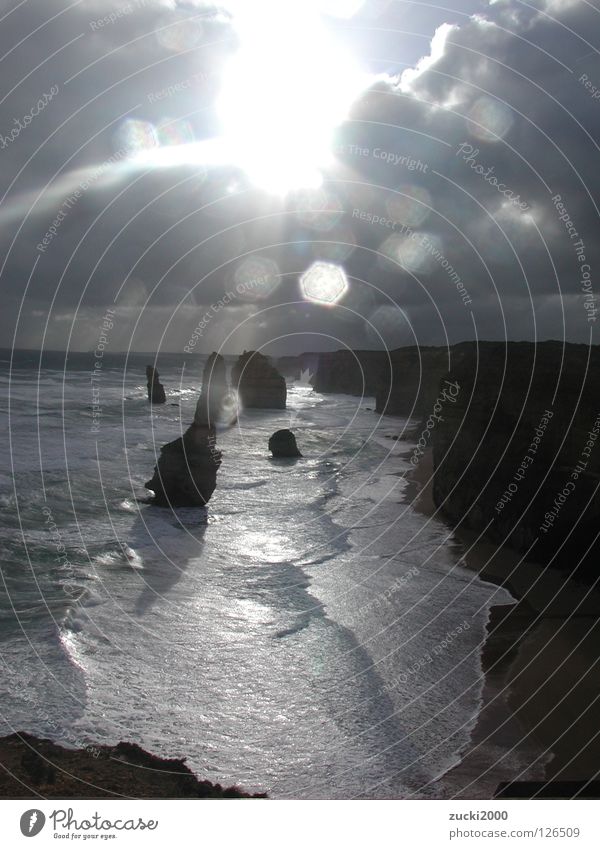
[{"x": 309, "y": 634}]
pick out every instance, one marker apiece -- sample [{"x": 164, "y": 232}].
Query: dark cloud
[{"x": 515, "y": 83}]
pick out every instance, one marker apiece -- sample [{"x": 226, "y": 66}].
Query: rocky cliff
[
  {"x": 295, "y": 367},
  {"x": 351, "y": 372},
  {"x": 41, "y": 769},
  {"x": 404, "y": 381},
  {"x": 258, "y": 383},
  {"x": 516, "y": 454},
  {"x": 409, "y": 384}
]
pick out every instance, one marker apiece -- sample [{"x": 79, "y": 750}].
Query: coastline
[
  {"x": 39, "y": 768},
  {"x": 536, "y": 702}
]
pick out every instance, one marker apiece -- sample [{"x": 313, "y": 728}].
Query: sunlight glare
[{"x": 284, "y": 92}]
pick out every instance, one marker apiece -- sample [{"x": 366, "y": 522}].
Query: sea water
[{"x": 309, "y": 634}]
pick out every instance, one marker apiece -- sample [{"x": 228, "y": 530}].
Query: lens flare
[
  {"x": 181, "y": 35},
  {"x": 489, "y": 120},
  {"x": 410, "y": 206},
  {"x": 418, "y": 252},
  {"x": 390, "y": 324},
  {"x": 318, "y": 209},
  {"x": 136, "y": 137},
  {"x": 177, "y": 131},
  {"x": 256, "y": 278},
  {"x": 324, "y": 283}
]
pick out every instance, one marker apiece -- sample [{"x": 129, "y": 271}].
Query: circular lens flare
[{"x": 324, "y": 283}]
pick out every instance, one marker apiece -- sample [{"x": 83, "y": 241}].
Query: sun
[{"x": 284, "y": 92}]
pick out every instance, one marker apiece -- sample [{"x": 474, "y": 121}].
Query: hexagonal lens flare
[{"x": 324, "y": 283}]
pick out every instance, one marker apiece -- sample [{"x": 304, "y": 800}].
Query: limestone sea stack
[
  {"x": 156, "y": 392},
  {"x": 186, "y": 472},
  {"x": 258, "y": 383},
  {"x": 283, "y": 444},
  {"x": 215, "y": 391}
]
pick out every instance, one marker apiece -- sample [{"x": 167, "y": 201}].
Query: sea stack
[
  {"x": 186, "y": 472},
  {"x": 156, "y": 392},
  {"x": 209, "y": 409},
  {"x": 283, "y": 444},
  {"x": 258, "y": 383}
]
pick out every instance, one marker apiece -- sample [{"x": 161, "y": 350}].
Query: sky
[{"x": 292, "y": 176}]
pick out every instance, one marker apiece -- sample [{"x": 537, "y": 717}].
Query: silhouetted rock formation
[
  {"x": 35, "y": 767},
  {"x": 209, "y": 409},
  {"x": 283, "y": 444},
  {"x": 404, "y": 381},
  {"x": 518, "y": 451},
  {"x": 352, "y": 372},
  {"x": 258, "y": 383},
  {"x": 410, "y": 381},
  {"x": 295, "y": 367},
  {"x": 156, "y": 392},
  {"x": 186, "y": 472}
]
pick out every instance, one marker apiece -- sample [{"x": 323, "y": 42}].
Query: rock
[
  {"x": 283, "y": 444},
  {"x": 410, "y": 380},
  {"x": 515, "y": 452},
  {"x": 258, "y": 384},
  {"x": 35, "y": 768},
  {"x": 186, "y": 472},
  {"x": 404, "y": 381},
  {"x": 156, "y": 392},
  {"x": 351, "y": 372},
  {"x": 215, "y": 389},
  {"x": 295, "y": 366}
]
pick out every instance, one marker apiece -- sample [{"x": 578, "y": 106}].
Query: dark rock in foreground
[
  {"x": 283, "y": 444},
  {"x": 156, "y": 392},
  {"x": 258, "y": 383},
  {"x": 35, "y": 768}
]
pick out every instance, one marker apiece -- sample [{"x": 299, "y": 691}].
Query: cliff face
[
  {"x": 404, "y": 381},
  {"x": 294, "y": 366},
  {"x": 258, "y": 383},
  {"x": 516, "y": 452},
  {"x": 351, "y": 372},
  {"x": 414, "y": 377}
]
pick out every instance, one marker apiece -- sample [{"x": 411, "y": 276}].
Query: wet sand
[{"x": 541, "y": 696}]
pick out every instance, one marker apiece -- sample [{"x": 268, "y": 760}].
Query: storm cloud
[{"x": 461, "y": 200}]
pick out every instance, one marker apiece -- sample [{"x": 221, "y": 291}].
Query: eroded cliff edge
[
  {"x": 516, "y": 455},
  {"x": 33, "y": 767}
]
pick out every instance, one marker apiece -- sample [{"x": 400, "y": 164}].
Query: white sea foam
[{"x": 279, "y": 639}]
